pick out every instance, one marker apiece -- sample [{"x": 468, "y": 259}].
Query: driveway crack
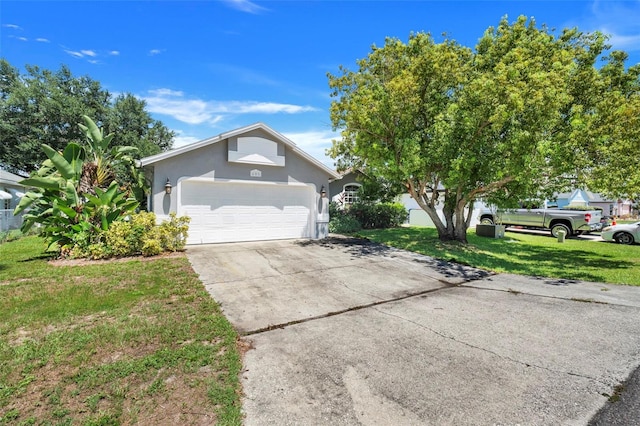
[
  {"x": 271, "y": 265},
  {"x": 342, "y": 311},
  {"x": 526, "y": 364}
]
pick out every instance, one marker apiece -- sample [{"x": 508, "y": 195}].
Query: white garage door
[{"x": 246, "y": 211}]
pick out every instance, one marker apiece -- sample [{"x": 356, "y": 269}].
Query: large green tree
[
  {"x": 455, "y": 125},
  {"x": 614, "y": 132},
  {"x": 134, "y": 126},
  {"x": 43, "y": 107}
]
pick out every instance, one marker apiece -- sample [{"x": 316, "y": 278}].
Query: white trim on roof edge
[{"x": 222, "y": 136}]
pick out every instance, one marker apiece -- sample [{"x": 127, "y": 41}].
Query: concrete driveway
[{"x": 349, "y": 332}]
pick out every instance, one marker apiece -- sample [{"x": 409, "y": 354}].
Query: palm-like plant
[
  {"x": 75, "y": 191},
  {"x": 98, "y": 170}
]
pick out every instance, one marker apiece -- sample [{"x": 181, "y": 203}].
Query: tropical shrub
[{"x": 74, "y": 197}]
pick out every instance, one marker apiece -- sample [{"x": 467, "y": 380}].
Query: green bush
[
  {"x": 365, "y": 215},
  {"x": 343, "y": 223},
  {"x": 378, "y": 216},
  {"x": 135, "y": 235}
]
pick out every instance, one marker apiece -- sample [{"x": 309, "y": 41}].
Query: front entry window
[{"x": 351, "y": 193}]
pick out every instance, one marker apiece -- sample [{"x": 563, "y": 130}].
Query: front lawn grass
[
  {"x": 138, "y": 341},
  {"x": 524, "y": 254}
]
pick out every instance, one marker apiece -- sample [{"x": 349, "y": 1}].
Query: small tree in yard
[{"x": 454, "y": 125}]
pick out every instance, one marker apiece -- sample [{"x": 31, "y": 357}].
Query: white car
[{"x": 626, "y": 233}]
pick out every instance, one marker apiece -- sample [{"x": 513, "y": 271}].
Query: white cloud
[
  {"x": 74, "y": 53},
  {"x": 623, "y": 42},
  {"x": 245, "y": 6},
  {"x": 42, "y": 40},
  {"x": 181, "y": 140},
  {"x": 315, "y": 143},
  {"x": 154, "y": 52},
  {"x": 93, "y": 61},
  {"x": 114, "y": 53},
  {"x": 197, "y": 111},
  {"x": 166, "y": 92},
  {"x": 12, "y": 26},
  {"x": 618, "y": 19},
  {"x": 89, "y": 53},
  {"x": 252, "y": 107},
  {"x": 187, "y": 111},
  {"x": 19, "y": 38}
]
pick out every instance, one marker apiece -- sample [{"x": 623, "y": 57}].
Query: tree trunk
[{"x": 455, "y": 224}]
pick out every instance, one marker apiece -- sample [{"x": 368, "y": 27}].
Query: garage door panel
[{"x": 225, "y": 212}]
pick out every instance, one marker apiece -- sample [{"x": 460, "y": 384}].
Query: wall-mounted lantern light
[
  {"x": 322, "y": 190},
  {"x": 167, "y": 187}
]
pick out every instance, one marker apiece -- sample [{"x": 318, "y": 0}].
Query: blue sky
[{"x": 206, "y": 67}]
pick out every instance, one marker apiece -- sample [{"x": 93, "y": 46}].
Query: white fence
[{"x": 9, "y": 221}]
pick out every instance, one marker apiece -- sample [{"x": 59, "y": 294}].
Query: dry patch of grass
[{"x": 127, "y": 342}]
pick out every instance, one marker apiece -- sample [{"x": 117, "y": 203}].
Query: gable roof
[
  {"x": 9, "y": 178},
  {"x": 347, "y": 172},
  {"x": 222, "y": 136}
]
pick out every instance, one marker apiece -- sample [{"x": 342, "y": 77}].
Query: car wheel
[
  {"x": 623, "y": 238},
  {"x": 486, "y": 221},
  {"x": 560, "y": 226}
]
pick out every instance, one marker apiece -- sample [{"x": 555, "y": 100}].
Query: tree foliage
[
  {"x": 134, "y": 126},
  {"x": 614, "y": 130},
  {"x": 503, "y": 122},
  {"x": 43, "y": 107}
]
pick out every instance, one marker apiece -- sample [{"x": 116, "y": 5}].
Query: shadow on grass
[
  {"x": 364, "y": 247},
  {"x": 506, "y": 255},
  {"x": 43, "y": 256}
]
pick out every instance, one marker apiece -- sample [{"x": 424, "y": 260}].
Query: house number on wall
[{"x": 256, "y": 173}]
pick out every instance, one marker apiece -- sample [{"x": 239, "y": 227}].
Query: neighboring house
[
  {"x": 609, "y": 206},
  {"x": 248, "y": 184},
  {"x": 10, "y": 193},
  {"x": 577, "y": 197},
  {"x": 344, "y": 189},
  {"x": 419, "y": 217}
]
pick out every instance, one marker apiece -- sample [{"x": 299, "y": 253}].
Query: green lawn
[
  {"x": 112, "y": 343},
  {"x": 525, "y": 254}
]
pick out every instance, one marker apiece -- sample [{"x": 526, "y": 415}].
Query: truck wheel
[
  {"x": 486, "y": 221},
  {"x": 623, "y": 238},
  {"x": 558, "y": 226}
]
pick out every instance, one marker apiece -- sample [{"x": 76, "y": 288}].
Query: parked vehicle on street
[
  {"x": 604, "y": 222},
  {"x": 572, "y": 222},
  {"x": 624, "y": 233}
]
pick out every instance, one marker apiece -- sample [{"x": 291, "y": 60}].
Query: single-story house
[
  {"x": 10, "y": 193},
  {"x": 344, "y": 189},
  {"x": 609, "y": 206},
  {"x": 419, "y": 217},
  {"x": 248, "y": 184}
]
